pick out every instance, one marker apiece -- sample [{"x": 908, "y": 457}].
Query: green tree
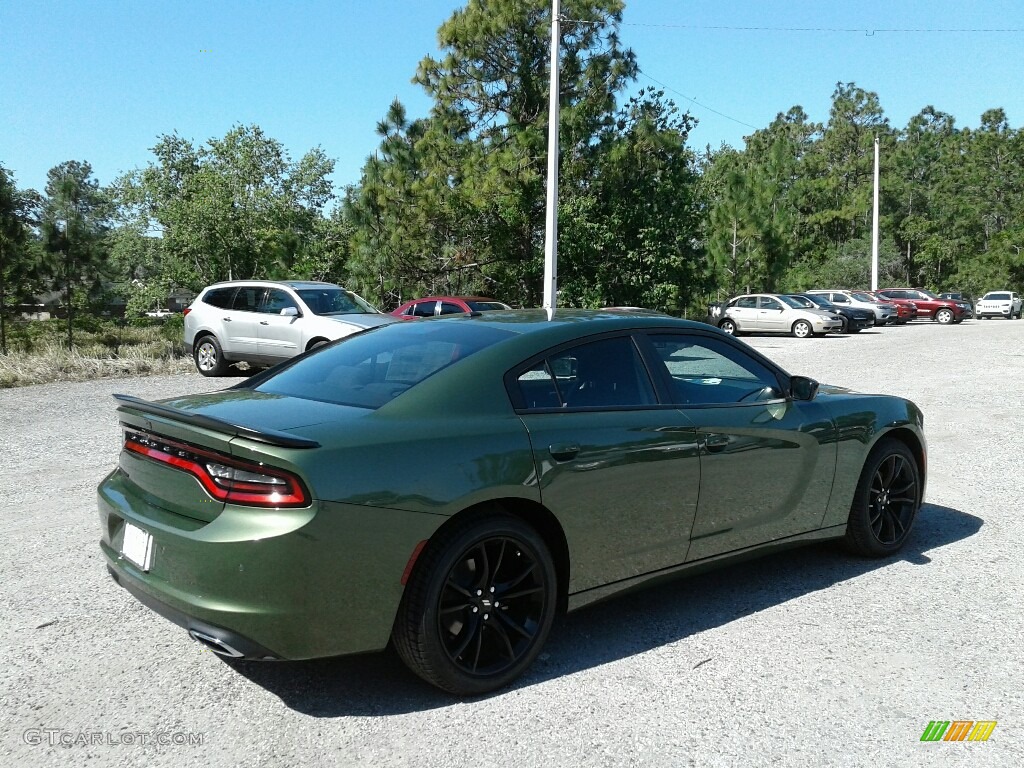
[
  {"x": 19, "y": 258},
  {"x": 630, "y": 225},
  {"x": 237, "y": 207},
  {"x": 475, "y": 169},
  {"x": 74, "y": 226}
]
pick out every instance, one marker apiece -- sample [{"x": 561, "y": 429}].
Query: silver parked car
[
  {"x": 774, "y": 313},
  {"x": 263, "y": 322},
  {"x": 884, "y": 312},
  {"x": 999, "y": 304}
]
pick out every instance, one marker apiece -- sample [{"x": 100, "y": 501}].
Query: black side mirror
[{"x": 802, "y": 388}]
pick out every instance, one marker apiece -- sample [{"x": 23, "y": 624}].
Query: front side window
[
  {"x": 448, "y": 308},
  {"x": 767, "y": 303},
  {"x": 424, "y": 308},
  {"x": 838, "y": 298},
  {"x": 276, "y": 300},
  {"x": 708, "y": 371}
]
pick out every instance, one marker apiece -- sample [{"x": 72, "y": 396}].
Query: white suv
[
  {"x": 262, "y": 322},
  {"x": 998, "y": 304}
]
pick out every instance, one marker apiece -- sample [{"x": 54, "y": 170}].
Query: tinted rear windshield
[{"x": 370, "y": 369}]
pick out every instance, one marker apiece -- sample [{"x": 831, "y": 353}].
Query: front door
[
  {"x": 767, "y": 462},
  {"x": 280, "y": 336}
]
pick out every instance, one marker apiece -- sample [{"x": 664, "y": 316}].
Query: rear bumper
[{"x": 287, "y": 583}]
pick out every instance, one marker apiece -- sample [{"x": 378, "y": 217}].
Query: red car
[
  {"x": 906, "y": 310},
  {"x": 928, "y": 305},
  {"x": 432, "y": 306}
]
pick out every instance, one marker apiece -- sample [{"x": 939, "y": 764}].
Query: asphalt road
[{"x": 808, "y": 658}]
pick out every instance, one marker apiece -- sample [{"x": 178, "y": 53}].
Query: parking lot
[{"x": 812, "y": 657}]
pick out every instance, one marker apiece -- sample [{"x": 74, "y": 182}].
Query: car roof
[
  {"x": 268, "y": 283},
  {"x": 457, "y": 298}
]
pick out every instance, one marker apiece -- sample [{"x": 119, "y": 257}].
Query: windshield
[
  {"x": 864, "y": 297},
  {"x": 929, "y": 294},
  {"x": 369, "y": 369},
  {"x": 996, "y": 297},
  {"x": 335, "y": 301},
  {"x": 790, "y": 301},
  {"x": 820, "y": 301}
]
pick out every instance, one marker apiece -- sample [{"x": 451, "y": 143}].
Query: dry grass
[{"x": 38, "y": 354}]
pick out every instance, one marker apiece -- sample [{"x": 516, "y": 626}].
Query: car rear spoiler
[{"x": 267, "y": 436}]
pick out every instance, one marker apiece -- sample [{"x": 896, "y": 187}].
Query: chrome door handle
[
  {"x": 715, "y": 443},
  {"x": 227, "y": 319},
  {"x": 563, "y": 451},
  {"x": 264, "y": 322}
]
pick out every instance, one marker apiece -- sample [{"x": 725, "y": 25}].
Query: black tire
[
  {"x": 802, "y": 329},
  {"x": 454, "y": 628},
  {"x": 317, "y": 343},
  {"x": 729, "y": 327},
  {"x": 944, "y": 316},
  {"x": 208, "y": 357},
  {"x": 845, "y": 324},
  {"x": 886, "y": 501}
]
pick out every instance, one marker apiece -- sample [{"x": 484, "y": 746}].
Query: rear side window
[
  {"x": 370, "y": 369},
  {"x": 247, "y": 299},
  {"x": 219, "y": 297},
  {"x": 424, "y": 308},
  {"x": 607, "y": 373}
]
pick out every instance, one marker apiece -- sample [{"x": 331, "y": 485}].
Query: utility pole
[
  {"x": 551, "y": 219},
  {"x": 874, "y": 228}
]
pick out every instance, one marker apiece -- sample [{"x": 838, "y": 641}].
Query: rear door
[
  {"x": 744, "y": 312},
  {"x": 241, "y": 321},
  {"x": 620, "y": 471}
]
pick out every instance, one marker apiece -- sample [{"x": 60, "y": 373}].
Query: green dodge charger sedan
[{"x": 450, "y": 486}]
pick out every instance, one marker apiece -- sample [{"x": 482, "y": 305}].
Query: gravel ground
[{"x": 807, "y": 658}]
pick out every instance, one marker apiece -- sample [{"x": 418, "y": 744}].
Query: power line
[
  {"x": 694, "y": 101},
  {"x": 861, "y": 30},
  {"x": 838, "y": 30}
]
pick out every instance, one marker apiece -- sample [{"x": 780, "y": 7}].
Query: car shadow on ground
[{"x": 378, "y": 684}]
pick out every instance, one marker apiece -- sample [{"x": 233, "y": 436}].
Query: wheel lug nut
[
  {"x": 479, "y": 592},
  {"x": 475, "y": 609},
  {"x": 492, "y": 589},
  {"x": 485, "y": 617}
]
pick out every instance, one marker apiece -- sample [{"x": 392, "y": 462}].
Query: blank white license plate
[{"x": 137, "y": 546}]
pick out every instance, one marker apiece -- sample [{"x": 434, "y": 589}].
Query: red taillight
[
  {"x": 225, "y": 478},
  {"x": 186, "y": 310}
]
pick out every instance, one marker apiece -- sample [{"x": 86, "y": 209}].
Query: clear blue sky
[{"x": 100, "y": 80}]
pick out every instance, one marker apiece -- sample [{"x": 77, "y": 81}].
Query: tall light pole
[
  {"x": 874, "y": 228},
  {"x": 551, "y": 219}
]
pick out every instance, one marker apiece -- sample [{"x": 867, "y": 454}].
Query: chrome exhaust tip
[{"x": 215, "y": 644}]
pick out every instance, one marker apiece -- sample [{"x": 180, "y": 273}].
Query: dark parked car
[
  {"x": 451, "y": 486},
  {"x": 433, "y": 306},
  {"x": 853, "y": 319},
  {"x": 929, "y": 306}
]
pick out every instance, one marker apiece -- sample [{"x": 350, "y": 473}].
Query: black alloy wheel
[
  {"x": 479, "y": 606},
  {"x": 886, "y": 501}
]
